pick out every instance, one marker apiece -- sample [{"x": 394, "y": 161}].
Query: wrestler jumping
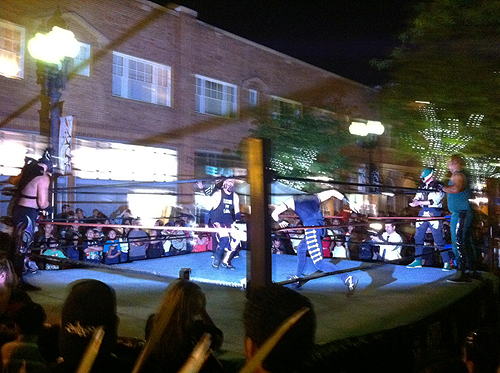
[{"x": 307, "y": 207}]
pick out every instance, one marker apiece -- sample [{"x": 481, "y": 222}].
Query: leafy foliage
[
  {"x": 448, "y": 58},
  {"x": 305, "y": 146}
]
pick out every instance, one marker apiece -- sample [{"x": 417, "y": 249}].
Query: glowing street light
[
  {"x": 54, "y": 46},
  {"x": 371, "y": 128}
]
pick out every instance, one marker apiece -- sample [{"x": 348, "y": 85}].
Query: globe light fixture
[
  {"x": 375, "y": 127},
  {"x": 358, "y": 129},
  {"x": 54, "y": 46}
]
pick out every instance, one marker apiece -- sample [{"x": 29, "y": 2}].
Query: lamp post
[
  {"x": 368, "y": 133},
  {"x": 53, "y": 51}
]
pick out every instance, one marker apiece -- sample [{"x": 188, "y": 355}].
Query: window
[
  {"x": 141, "y": 80},
  {"x": 82, "y": 60},
  {"x": 215, "y": 97},
  {"x": 252, "y": 98},
  {"x": 12, "y": 43},
  {"x": 283, "y": 108}
]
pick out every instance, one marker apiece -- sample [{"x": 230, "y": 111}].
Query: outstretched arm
[
  {"x": 288, "y": 204},
  {"x": 327, "y": 194}
]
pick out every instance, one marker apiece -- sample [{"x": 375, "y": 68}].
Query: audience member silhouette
[
  {"x": 189, "y": 321},
  {"x": 23, "y": 354},
  {"x": 266, "y": 309},
  {"x": 90, "y": 304}
]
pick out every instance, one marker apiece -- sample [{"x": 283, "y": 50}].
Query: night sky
[{"x": 340, "y": 36}]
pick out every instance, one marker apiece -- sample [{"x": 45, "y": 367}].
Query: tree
[
  {"x": 304, "y": 146},
  {"x": 448, "y": 60}
]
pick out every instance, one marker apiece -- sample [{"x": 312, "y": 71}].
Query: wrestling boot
[
  {"x": 352, "y": 283},
  {"x": 461, "y": 277},
  {"x": 417, "y": 263},
  {"x": 226, "y": 263},
  {"x": 215, "y": 262}
]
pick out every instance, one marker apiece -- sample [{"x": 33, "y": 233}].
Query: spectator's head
[
  {"x": 111, "y": 234},
  {"x": 75, "y": 239},
  {"x": 265, "y": 311},
  {"x": 89, "y": 305},
  {"x": 179, "y": 223},
  {"x": 79, "y": 213},
  {"x": 89, "y": 233},
  {"x": 30, "y": 319},
  {"x": 53, "y": 244},
  {"x": 191, "y": 302},
  {"x": 71, "y": 214},
  {"x": 7, "y": 276},
  {"x": 390, "y": 227},
  {"x": 339, "y": 242},
  {"x": 65, "y": 209},
  {"x": 95, "y": 213},
  {"x": 48, "y": 229}
]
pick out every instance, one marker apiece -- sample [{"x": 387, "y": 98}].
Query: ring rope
[{"x": 156, "y": 227}]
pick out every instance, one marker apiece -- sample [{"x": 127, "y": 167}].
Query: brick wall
[{"x": 173, "y": 37}]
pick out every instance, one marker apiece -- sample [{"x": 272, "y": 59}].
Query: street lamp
[
  {"x": 52, "y": 51},
  {"x": 369, "y": 131}
]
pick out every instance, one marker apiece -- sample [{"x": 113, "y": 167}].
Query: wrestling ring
[{"x": 394, "y": 307}]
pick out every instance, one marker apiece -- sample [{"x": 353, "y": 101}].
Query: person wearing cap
[
  {"x": 32, "y": 195},
  {"x": 430, "y": 200}
]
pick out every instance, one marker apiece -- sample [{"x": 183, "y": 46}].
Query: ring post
[{"x": 259, "y": 230}]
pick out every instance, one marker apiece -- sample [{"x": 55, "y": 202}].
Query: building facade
[{"x": 177, "y": 94}]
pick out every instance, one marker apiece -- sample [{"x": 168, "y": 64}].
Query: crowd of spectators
[
  {"x": 357, "y": 237},
  {"x": 101, "y": 242},
  {"x": 347, "y": 237}
]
